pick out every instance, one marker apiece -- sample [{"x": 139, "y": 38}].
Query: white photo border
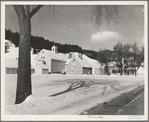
[{"x": 72, "y": 117}]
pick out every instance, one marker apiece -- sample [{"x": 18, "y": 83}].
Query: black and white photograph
[{"x": 74, "y": 60}]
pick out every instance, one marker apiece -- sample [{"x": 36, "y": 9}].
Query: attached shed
[
  {"x": 11, "y": 66},
  {"x": 41, "y": 69}
]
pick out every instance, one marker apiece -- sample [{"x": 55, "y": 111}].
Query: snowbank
[
  {"x": 140, "y": 71},
  {"x": 95, "y": 90}
]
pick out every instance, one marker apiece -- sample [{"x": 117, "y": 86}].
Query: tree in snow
[
  {"x": 126, "y": 57},
  {"x": 105, "y": 57},
  {"x": 25, "y": 14},
  {"x": 138, "y": 57},
  {"x": 24, "y": 66},
  {"x": 119, "y": 49}
]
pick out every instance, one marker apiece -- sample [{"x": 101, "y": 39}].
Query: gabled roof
[
  {"x": 56, "y": 56},
  {"x": 12, "y": 63},
  {"x": 68, "y": 60},
  {"x": 43, "y": 66},
  {"x": 86, "y": 61},
  {"x": 12, "y": 52},
  {"x": 94, "y": 63},
  {"x": 83, "y": 62}
]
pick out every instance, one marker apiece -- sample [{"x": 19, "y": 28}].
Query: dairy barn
[
  {"x": 80, "y": 64},
  {"x": 51, "y": 60}
]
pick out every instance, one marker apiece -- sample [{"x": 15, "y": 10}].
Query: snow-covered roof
[
  {"x": 12, "y": 63},
  {"x": 67, "y": 55},
  {"x": 140, "y": 70},
  {"x": 7, "y": 41},
  {"x": 83, "y": 62},
  {"x": 94, "y": 63},
  {"x": 56, "y": 56},
  {"x": 12, "y": 52},
  {"x": 86, "y": 60},
  {"x": 68, "y": 60},
  {"x": 43, "y": 66}
]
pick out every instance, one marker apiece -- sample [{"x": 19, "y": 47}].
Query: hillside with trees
[
  {"x": 125, "y": 55},
  {"x": 38, "y": 43}
]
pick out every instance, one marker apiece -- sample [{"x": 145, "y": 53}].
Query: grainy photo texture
[{"x": 81, "y": 59}]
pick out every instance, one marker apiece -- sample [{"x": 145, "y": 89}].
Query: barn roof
[
  {"x": 86, "y": 61},
  {"x": 83, "y": 62},
  {"x": 94, "y": 63},
  {"x": 12, "y": 63},
  {"x": 56, "y": 56},
  {"x": 68, "y": 60},
  {"x": 43, "y": 66}
]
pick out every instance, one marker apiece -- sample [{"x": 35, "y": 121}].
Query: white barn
[
  {"x": 54, "y": 61},
  {"x": 91, "y": 65}
]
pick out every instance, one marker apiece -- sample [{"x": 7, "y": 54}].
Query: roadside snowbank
[{"x": 94, "y": 91}]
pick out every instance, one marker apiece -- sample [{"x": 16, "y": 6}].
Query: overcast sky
[{"x": 74, "y": 25}]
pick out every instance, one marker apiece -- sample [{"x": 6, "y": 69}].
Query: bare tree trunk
[
  {"x": 107, "y": 69},
  {"x": 24, "y": 65},
  {"x": 121, "y": 71},
  {"x": 135, "y": 71},
  {"x": 134, "y": 66}
]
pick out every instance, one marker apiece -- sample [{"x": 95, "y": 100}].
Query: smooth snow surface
[
  {"x": 140, "y": 71},
  {"x": 95, "y": 90}
]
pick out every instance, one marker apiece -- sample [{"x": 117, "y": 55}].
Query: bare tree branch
[{"x": 35, "y": 10}]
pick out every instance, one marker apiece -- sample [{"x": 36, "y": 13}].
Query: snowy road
[
  {"x": 53, "y": 95},
  {"x": 131, "y": 103}
]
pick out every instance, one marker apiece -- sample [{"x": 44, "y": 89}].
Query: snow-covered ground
[
  {"x": 95, "y": 90},
  {"x": 140, "y": 71}
]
